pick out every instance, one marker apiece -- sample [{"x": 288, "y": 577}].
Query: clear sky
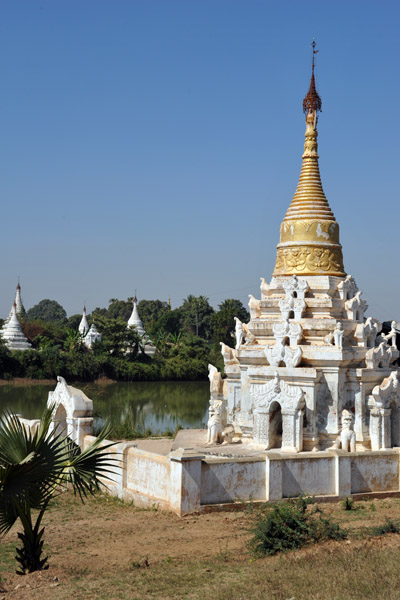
[{"x": 156, "y": 144}]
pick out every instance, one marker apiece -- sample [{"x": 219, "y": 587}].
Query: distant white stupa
[
  {"x": 135, "y": 321},
  {"x": 92, "y": 336},
  {"x": 12, "y": 333},
  {"x": 18, "y": 305},
  {"x": 84, "y": 325}
]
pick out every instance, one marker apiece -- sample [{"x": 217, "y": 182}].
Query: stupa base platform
[{"x": 195, "y": 478}]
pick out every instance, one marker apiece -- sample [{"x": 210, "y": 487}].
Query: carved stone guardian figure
[{"x": 347, "y": 439}]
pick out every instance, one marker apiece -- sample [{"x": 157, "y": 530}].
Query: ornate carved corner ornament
[
  {"x": 347, "y": 288},
  {"x": 384, "y": 398},
  {"x": 243, "y": 334},
  {"x": 264, "y": 288},
  {"x": 254, "y": 307},
  {"x": 335, "y": 338},
  {"x": 366, "y": 333},
  {"x": 385, "y": 393},
  {"x": 229, "y": 354},
  {"x": 356, "y": 307},
  {"x": 382, "y": 356}
]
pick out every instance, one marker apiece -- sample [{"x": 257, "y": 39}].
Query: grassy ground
[{"x": 110, "y": 550}]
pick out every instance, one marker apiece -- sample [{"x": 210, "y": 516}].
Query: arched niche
[{"x": 72, "y": 411}]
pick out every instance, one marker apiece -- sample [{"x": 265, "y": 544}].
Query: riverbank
[
  {"x": 109, "y": 550},
  {"x": 24, "y": 381}
]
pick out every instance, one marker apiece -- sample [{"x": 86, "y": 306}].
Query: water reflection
[{"x": 155, "y": 405}]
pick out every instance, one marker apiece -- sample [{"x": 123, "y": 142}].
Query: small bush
[
  {"x": 388, "y": 527},
  {"x": 290, "y": 525},
  {"x": 348, "y": 503}
]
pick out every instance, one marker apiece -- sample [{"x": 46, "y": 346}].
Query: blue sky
[{"x": 156, "y": 144}]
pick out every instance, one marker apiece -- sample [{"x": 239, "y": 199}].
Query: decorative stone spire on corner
[
  {"x": 83, "y": 325},
  {"x": 134, "y": 319},
  {"x": 309, "y": 235},
  {"x": 12, "y": 333}
]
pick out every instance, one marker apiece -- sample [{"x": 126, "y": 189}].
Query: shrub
[
  {"x": 289, "y": 525},
  {"x": 388, "y": 526},
  {"x": 348, "y": 503}
]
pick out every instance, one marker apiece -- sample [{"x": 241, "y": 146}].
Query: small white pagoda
[
  {"x": 12, "y": 333},
  {"x": 18, "y": 304},
  {"x": 135, "y": 321},
  {"x": 83, "y": 325},
  {"x": 92, "y": 336}
]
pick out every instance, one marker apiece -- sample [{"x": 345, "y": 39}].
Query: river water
[{"x": 158, "y": 406}]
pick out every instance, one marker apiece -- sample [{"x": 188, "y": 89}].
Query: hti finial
[
  {"x": 314, "y": 52},
  {"x": 312, "y": 102}
]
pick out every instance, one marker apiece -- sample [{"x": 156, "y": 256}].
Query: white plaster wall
[
  {"x": 230, "y": 481},
  {"x": 314, "y": 476},
  {"x": 375, "y": 472},
  {"x": 148, "y": 474}
]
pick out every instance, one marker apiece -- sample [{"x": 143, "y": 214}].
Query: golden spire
[{"x": 309, "y": 235}]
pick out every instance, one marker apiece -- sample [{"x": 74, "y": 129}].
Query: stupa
[
  {"x": 135, "y": 321},
  {"x": 83, "y": 325},
  {"x": 18, "y": 304},
  {"x": 12, "y": 333},
  {"x": 309, "y": 366},
  {"x": 92, "y": 336}
]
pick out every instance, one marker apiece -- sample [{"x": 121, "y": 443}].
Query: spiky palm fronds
[{"x": 34, "y": 466}]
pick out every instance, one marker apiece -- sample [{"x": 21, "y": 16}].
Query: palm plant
[{"x": 34, "y": 467}]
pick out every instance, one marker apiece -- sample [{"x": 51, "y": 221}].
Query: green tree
[
  {"x": 169, "y": 322},
  {"x": 74, "y": 320},
  {"x": 73, "y": 341},
  {"x": 223, "y": 322},
  {"x": 196, "y": 316},
  {"x": 34, "y": 467},
  {"x": 48, "y": 311},
  {"x": 150, "y": 311},
  {"x": 117, "y": 338},
  {"x": 120, "y": 309}
]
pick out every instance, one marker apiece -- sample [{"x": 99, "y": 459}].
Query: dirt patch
[{"x": 107, "y": 549}]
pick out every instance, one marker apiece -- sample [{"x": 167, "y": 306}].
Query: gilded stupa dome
[{"x": 309, "y": 234}]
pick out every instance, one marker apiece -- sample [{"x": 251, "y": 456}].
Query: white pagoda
[
  {"x": 135, "y": 321},
  {"x": 12, "y": 333},
  {"x": 310, "y": 370},
  {"x": 83, "y": 325},
  {"x": 18, "y": 304},
  {"x": 92, "y": 336}
]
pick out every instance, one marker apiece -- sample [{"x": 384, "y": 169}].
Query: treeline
[{"x": 186, "y": 340}]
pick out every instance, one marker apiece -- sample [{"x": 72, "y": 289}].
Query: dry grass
[{"x": 109, "y": 550}]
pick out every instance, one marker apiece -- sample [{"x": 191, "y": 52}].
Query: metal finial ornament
[{"x": 312, "y": 102}]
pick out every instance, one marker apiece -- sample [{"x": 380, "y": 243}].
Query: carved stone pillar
[
  {"x": 292, "y": 430},
  {"x": 386, "y": 441},
  {"x": 380, "y": 429},
  {"x": 261, "y": 427}
]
